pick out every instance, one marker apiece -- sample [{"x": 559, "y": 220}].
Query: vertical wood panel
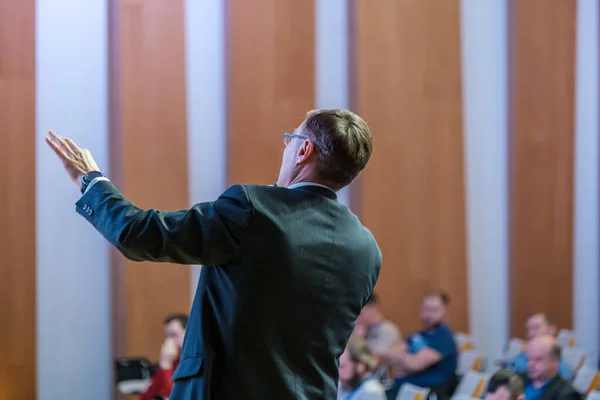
[
  {"x": 17, "y": 200},
  {"x": 542, "y": 52},
  {"x": 407, "y": 81},
  {"x": 150, "y": 161},
  {"x": 271, "y": 65}
]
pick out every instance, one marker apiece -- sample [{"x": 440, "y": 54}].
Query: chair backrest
[
  {"x": 586, "y": 380},
  {"x": 469, "y": 360},
  {"x": 464, "y": 341},
  {"x": 472, "y": 384},
  {"x": 409, "y": 391},
  {"x": 595, "y": 395},
  {"x": 574, "y": 357},
  {"x": 515, "y": 346},
  {"x": 566, "y": 338}
]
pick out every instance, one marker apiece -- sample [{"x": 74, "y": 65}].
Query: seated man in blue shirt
[
  {"x": 429, "y": 357},
  {"x": 543, "y": 381},
  {"x": 537, "y": 325}
]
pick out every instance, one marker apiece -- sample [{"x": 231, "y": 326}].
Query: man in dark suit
[
  {"x": 543, "y": 381},
  {"x": 287, "y": 267}
]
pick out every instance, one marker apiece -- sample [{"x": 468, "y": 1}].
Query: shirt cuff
[{"x": 94, "y": 181}]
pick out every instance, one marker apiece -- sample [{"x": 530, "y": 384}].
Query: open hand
[{"x": 77, "y": 161}]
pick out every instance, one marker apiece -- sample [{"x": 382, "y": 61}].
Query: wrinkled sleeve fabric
[{"x": 209, "y": 233}]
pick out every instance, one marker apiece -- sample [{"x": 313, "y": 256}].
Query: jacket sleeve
[{"x": 209, "y": 233}]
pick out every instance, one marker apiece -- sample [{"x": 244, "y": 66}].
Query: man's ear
[{"x": 304, "y": 152}]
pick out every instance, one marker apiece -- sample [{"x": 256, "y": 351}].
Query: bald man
[
  {"x": 544, "y": 382},
  {"x": 538, "y": 324}
]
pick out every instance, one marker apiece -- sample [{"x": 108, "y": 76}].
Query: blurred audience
[
  {"x": 355, "y": 373},
  {"x": 543, "y": 380},
  {"x": 537, "y": 325},
  {"x": 380, "y": 334},
  {"x": 505, "y": 385},
  {"x": 161, "y": 385},
  {"x": 428, "y": 358}
]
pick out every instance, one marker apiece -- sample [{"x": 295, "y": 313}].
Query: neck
[
  {"x": 433, "y": 326},
  {"x": 538, "y": 383},
  {"x": 317, "y": 181},
  {"x": 305, "y": 175}
]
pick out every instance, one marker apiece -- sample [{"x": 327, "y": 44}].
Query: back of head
[
  {"x": 546, "y": 344},
  {"x": 182, "y": 319},
  {"x": 343, "y": 144},
  {"x": 505, "y": 385},
  {"x": 361, "y": 353}
]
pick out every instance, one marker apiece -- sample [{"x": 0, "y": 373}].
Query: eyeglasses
[{"x": 287, "y": 137}]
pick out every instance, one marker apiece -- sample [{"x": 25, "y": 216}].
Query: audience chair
[
  {"x": 566, "y": 338},
  {"x": 595, "y": 395},
  {"x": 586, "y": 380},
  {"x": 469, "y": 360},
  {"x": 574, "y": 357},
  {"x": 464, "y": 341},
  {"x": 409, "y": 391},
  {"x": 514, "y": 347},
  {"x": 473, "y": 384}
]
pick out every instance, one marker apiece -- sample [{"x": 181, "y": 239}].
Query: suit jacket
[
  {"x": 286, "y": 273},
  {"x": 557, "y": 389}
]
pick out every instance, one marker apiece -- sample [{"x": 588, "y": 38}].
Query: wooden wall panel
[
  {"x": 17, "y": 200},
  {"x": 407, "y": 86},
  {"x": 542, "y": 86},
  {"x": 149, "y": 159},
  {"x": 271, "y": 82}
]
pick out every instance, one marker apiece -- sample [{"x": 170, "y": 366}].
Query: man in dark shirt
[{"x": 429, "y": 357}]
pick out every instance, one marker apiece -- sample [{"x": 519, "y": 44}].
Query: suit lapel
[{"x": 551, "y": 388}]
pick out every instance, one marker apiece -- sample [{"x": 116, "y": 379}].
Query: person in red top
[{"x": 161, "y": 384}]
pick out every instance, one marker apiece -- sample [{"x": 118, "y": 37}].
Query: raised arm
[{"x": 209, "y": 233}]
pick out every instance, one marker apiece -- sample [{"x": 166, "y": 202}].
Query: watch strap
[{"x": 88, "y": 178}]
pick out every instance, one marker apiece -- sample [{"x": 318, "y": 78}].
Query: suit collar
[{"x": 315, "y": 188}]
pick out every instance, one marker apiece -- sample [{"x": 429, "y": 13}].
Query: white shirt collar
[{"x": 300, "y": 184}]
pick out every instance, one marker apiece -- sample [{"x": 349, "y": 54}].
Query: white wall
[
  {"x": 485, "y": 111},
  {"x": 206, "y": 101},
  {"x": 586, "y": 221},
  {"x": 331, "y": 59},
  {"x": 73, "y": 282}
]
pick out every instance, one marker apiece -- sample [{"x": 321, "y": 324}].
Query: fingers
[
  {"x": 67, "y": 145},
  {"x": 57, "y": 149},
  {"x": 74, "y": 148}
]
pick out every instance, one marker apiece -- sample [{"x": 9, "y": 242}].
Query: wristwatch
[{"x": 88, "y": 178}]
